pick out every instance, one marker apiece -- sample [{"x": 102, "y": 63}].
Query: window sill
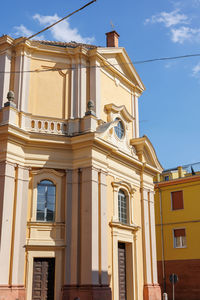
[
  {"x": 180, "y": 247},
  {"x": 45, "y": 223},
  {"x": 131, "y": 227}
]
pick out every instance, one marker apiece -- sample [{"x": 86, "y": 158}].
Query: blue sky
[{"x": 170, "y": 106}]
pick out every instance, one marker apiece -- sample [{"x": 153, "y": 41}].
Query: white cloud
[
  {"x": 169, "y": 19},
  {"x": 22, "y": 31},
  {"x": 62, "y": 31},
  {"x": 178, "y": 25},
  {"x": 196, "y": 70},
  {"x": 180, "y": 35},
  {"x": 25, "y": 32}
]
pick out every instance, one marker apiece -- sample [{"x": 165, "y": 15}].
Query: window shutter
[
  {"x": 179, "y": 232},
  {"x": 177, "y": 200}
]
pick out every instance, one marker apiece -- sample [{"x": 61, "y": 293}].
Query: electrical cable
[
  {"x": 50, "y": 26},
  {"x": 103, "y": 66},
  {"x": 166, "y": 58}
]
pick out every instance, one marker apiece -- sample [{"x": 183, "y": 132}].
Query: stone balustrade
[
  {"x": 47, "y": 126},
  {"x": 9, "y": 115}
]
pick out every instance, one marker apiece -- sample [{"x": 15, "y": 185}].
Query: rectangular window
[
  {"x": 122, "y": 207},
  {"x": 166, "y": 178},
  {"x": 177, "y": 200},
  {"x": 179, "y": 238}
]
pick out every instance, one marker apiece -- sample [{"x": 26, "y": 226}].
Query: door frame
[
  {"x": 57, "y": 254},
  {"x": 127, "y": 237}
]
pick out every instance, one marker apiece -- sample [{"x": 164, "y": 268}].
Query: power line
[
  {"x": 166, "y": 58},
  {"x": 103, "y": 66},
  {"x": 50, "y": 26}
]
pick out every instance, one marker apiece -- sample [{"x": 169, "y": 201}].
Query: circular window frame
[{"x": 122, "y": 123}]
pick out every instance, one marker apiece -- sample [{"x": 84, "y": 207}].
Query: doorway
[
  {"x": 43, "y": 278},
  {"x": 122, "y": 271}
]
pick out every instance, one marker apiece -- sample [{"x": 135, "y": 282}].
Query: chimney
[
  {"x": 180, "y": 172},
  {"x": 112, "y": 38}
]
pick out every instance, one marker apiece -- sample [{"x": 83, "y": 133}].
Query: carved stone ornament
[
  {"x": 101, "y": 129},
  {"x": 90, "y": 107},
  {"x": 11, "y": 98}
]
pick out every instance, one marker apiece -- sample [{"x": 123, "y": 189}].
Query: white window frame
[
  {"x": 183, "y": 241},
  {"x": 129, "y": 191},
  {"x": 127, "y": 206},
  {"x": 56, "y": 178}
]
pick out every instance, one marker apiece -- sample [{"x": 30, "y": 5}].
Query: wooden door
[
  {"x": 122, "y": 271},
  {"x": 43, "y": 279}
]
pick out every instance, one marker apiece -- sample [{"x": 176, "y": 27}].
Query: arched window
[
  {"x": 46, "y": 196},
  {"x": 122, "y": 207}
]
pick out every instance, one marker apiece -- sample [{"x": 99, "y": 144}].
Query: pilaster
[
  {"x": 78, "y": 88},
  {"x": 153, "y": 237},
  {"x": 133, "y": 114},
  {"x": 115, "y": 217},
  {"x": 146, "y": 237},
  {"x": 72, "y": 253},
  {"x": 135, "y": 258},
  {"x": 22, "y": 77},
  {"x": 19, "y": 228},
  {"x": 95, "y": 91},
  {"x": 5, "y": 65},
  {"x": 86, "y": 246},
  {"x": 7, "y": 188},
  {"x": 73, "y": 91},
  {"x": 82, "y": 88},
  {"x": 136, "y": 96},
  {"x": 103, "y": 223},
  {"x": 89, "y": 227}
]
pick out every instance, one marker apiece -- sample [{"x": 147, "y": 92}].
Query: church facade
[{"x": 76, "y": 179}]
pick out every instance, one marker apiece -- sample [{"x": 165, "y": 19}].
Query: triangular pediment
[{"x": 119, "y": 59}]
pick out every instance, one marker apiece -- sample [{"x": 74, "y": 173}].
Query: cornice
[
  {"x": 106, "y": 64},
  {"x": 143, "y": 145},
  {"x": 177, "y": 181},
  {"x": 6, "y": 39}
]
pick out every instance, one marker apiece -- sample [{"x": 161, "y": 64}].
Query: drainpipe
[{"x": 162, "y": 242}]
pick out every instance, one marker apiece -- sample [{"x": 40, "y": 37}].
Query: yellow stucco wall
[
  {"x": 116, "y": 94},
  {"x": 48, "y": 94},
  {"x": 187, "y": 218}
]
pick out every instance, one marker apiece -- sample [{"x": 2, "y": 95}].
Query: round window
[{"x": 119, "y": 129}]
